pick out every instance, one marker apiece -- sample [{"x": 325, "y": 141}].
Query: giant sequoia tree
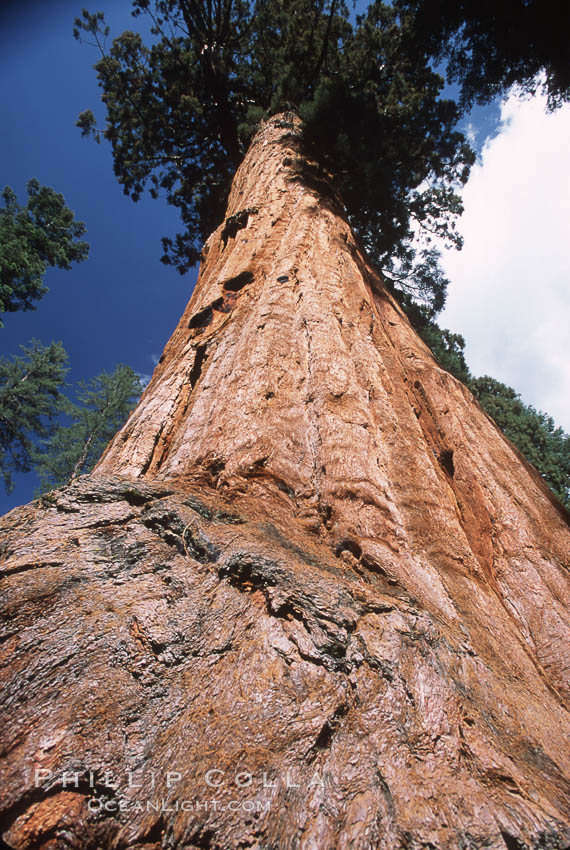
[
  {"x": 310, "y": 597},
  {"x": 182, "y": 109}
]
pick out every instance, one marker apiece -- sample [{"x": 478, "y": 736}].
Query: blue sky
[{"x": 122, "y": 304}]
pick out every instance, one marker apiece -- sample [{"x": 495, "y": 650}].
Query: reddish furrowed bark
[{"x": 310, "y": 597}]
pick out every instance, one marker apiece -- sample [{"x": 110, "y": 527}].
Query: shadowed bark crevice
[{"x": 307, "y": 554}]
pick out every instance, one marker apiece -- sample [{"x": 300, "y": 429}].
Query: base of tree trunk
[{"x": 181, "y": 670}]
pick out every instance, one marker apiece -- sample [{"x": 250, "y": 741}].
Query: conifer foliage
[
  {"x": 100, "y": 408},
  {"x": 30, "y": 393},
  {"x": 534, "y": 433},
  {"x": 42, "y": 234},
  {"x": 182, "y": 108},
  {"x": 489, "y": 45}
]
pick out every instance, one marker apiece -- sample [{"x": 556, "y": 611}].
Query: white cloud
[
  {"x": 144, "y": 378},
  {"x": 471, "y": 132},
  {"x": 510, "y": 286}
]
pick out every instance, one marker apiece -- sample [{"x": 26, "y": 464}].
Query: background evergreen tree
[
  {"x": 533, "y": 433},
  {"x": 181, "y": 110},
  {"x": 30, "y": 389},
  {"x": 42, "y": 234},
  {"x": 101, "y": 407},
  {"x": 447, "y": 347}
]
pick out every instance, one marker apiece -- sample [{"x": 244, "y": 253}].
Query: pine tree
[
  {"x": 30, "y": 392},
  {"x": 33, "y": 238},
  {"x": 534, "y": 433},
  {"x": 101, "y": 408}
]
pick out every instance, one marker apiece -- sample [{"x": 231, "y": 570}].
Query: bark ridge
[{"x": 310, "y": 598}]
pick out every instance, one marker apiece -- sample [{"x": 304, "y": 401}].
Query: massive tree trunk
[{"x": 311, "y": 598}]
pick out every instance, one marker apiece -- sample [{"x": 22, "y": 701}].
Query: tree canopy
[
  {"x": 101, "y": 407},
  {"x": 30, "y": 392},
  {"x": 534, "y": 433},
  {"x": 43, "y": 429},
  {"x": 182, "y": 108},
  {"x": 489, "y": 45},
  {"x": 42, "y": 234}
]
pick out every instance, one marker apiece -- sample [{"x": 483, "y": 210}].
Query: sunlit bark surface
[{"x": 311, "y": 597}]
